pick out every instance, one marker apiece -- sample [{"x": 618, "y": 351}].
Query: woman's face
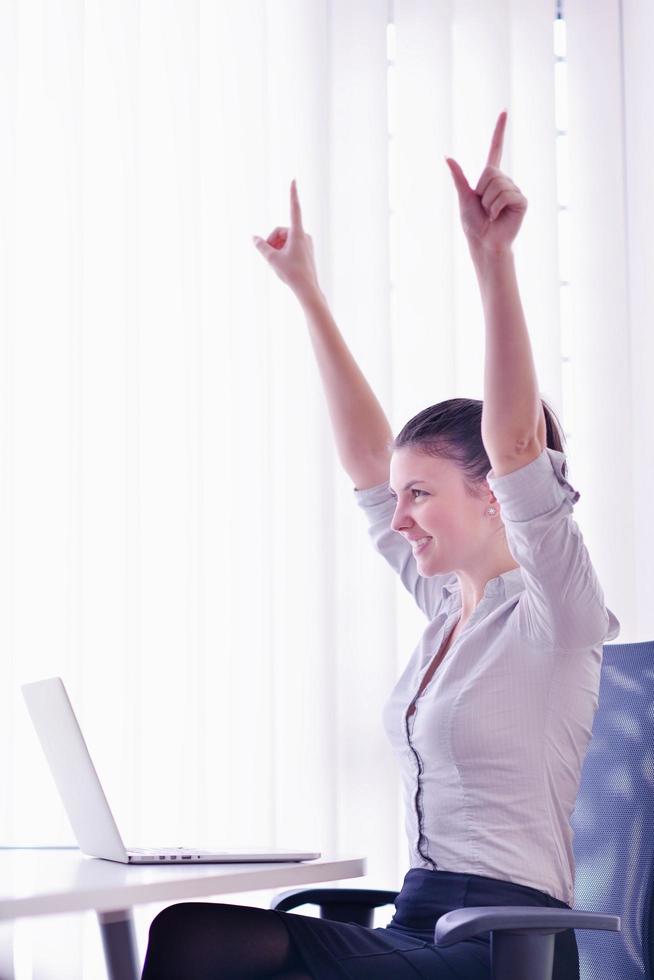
[{"x": 432, "y": 504}]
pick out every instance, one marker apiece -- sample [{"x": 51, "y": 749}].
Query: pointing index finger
[
  {"x": 296, "y": 214},
  {"x": 497, "y": 143}
]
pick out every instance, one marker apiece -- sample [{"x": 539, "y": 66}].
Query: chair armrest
[
  {"x": 464, "y": 923},
  {"x": 339, "y": 904}
]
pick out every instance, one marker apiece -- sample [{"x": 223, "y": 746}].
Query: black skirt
[{"x": 405, "y": 947}]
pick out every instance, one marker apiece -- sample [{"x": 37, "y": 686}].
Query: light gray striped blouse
[{"x": 491, "y": 759}]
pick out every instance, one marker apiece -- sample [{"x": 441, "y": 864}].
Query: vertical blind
[{"x": 177, "y": 539}]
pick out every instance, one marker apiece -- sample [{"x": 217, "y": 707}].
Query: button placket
[
  {"x": 409, "y": 723},
  {"x": 417, "y": 799}
]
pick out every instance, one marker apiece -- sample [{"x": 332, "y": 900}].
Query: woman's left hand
[{"x": 492, "y": 213}]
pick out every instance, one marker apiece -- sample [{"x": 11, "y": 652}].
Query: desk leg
[
  {"x": 7, "y": 950},
  {"x": 119, "y": 944}
]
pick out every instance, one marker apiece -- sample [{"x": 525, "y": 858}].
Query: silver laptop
[{"x": 83, "y": 797}]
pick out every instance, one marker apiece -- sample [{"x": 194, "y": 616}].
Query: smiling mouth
[{"x": 420, "y": 545}]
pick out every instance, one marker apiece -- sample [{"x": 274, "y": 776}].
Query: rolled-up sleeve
[
  {"x": 379, "y": 507},
  {"x": 563, "y": 599}
]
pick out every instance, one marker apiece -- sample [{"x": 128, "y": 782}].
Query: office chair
[{"x": 613, "y": 824}]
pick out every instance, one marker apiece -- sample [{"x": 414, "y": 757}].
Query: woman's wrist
[
  {"x": 489, "y": 263},
  {"x": 310, "y": 296}
]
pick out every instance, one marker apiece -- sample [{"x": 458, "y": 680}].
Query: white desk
[{"x": 45, "y": 882}]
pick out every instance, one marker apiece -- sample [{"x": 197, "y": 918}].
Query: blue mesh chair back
[{"x": 613, "y": 819}]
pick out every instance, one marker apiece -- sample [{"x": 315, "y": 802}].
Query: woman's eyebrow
[{"x": 408, "y": 486}]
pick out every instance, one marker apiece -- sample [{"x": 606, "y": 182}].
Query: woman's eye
[{"x": 394, "y": 495}]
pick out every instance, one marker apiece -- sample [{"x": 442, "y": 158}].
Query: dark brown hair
[{"x": 452, "y": 430}]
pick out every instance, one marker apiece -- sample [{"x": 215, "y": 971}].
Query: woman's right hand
[{"x": 290, "y": 251}]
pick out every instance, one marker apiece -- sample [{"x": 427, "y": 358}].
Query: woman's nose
[{"x": 400, "y": 519}]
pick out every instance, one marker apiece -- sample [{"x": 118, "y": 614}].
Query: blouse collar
[{"x": 505, "y": 585}]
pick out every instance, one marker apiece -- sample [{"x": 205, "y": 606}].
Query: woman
[{"x": 470, "y": 505}]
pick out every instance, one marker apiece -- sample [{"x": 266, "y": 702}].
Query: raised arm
[
  {"x": 361, "y": 430},
  {"x": 513, "y": 420}
]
